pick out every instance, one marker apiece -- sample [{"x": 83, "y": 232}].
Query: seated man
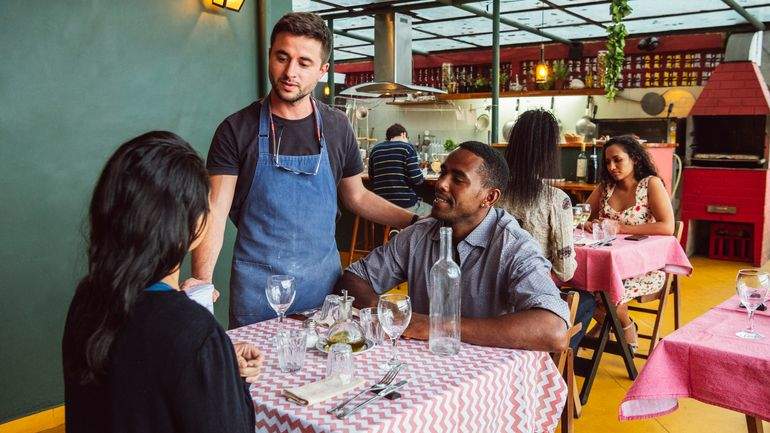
[
  {"x": 394, "y": 171},
  {"x": 508, "y": 297}
]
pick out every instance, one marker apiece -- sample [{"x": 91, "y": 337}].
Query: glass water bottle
[{"x": 444, "y": 296}]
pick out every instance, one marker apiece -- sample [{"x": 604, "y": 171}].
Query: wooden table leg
[
  {"x": 604, "y": 335},
  {"x": 612, "y": 314},
  {"x": 754, "y": 424}
]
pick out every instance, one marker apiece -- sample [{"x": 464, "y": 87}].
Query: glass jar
[{"x": 345, "y": 329}]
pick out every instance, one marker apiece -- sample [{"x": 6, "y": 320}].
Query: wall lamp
[{"x": 233, "y": 5}]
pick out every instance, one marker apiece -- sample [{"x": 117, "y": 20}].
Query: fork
[
  {"x": 387, "y": 390},
  {"x": 382, "y": 384}
]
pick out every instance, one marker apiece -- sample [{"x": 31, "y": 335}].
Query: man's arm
[
  {"x": 204, "y": 257},
  {"x": 359, "y": 200},
  {"x": 359, "y": 288},
  {"x": 534, "y": 329}
]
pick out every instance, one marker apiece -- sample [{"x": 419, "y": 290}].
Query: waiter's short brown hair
[{"x": 305, "y": 24}]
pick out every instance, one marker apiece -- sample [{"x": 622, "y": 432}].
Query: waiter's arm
[
  {"x": 359, "y": 200},
  {"x": 204, "y": 257}
]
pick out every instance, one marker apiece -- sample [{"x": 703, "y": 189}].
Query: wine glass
[
  {"x": 752, "y": 286},
  {"x": 395, "y": 312},
  {"x": 280, "y": 293}
]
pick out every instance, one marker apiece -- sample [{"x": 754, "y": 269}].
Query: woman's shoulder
[{"x": 174, "y": 317}]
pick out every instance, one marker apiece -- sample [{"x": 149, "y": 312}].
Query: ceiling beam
[
  {"x": 506, "y": 21},
  {"x": 759, "y": 25}
]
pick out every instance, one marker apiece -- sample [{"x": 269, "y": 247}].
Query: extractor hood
[{"x": 392, "y": 60}]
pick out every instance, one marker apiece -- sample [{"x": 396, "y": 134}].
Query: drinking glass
[
  {"x": 395, "y": 312},
  {"x": 280, "y": 293},
  {"x": 752, "y": 286},
  {"x": 290, "y": 345},
  {"x": 610, "y": 228},
  {"x": 597, "y": 232},
  {"x": 370, "y": 322},
  {"x": 339, "y": 362}
]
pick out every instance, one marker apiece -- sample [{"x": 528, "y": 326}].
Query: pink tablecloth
[
  {"x": 704, "y": 360},
  {"x": 480, "y": 390},
  {"x": 605, "y": 268}
]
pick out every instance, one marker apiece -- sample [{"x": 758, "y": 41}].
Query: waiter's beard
[{"x": 293, "y": 100}]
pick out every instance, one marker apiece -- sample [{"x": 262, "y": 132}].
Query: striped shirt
[{"x": 393, "y": 169}]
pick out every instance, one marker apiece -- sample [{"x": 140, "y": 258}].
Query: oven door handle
[{"x": 712, "y": 208}]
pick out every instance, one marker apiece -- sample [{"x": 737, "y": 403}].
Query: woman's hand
[{"x": 250, "y": 361}]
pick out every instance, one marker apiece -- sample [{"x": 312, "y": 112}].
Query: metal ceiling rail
[
  {"x": 370, "y": 40},
  {"x": 745, "y": 14},
  {"x": 574, "y": 14},
  {"x": 506, "y": 21}
]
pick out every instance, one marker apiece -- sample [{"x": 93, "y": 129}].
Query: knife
[{"x": 379, "y": 395}]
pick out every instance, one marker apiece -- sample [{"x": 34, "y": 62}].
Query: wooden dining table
[{"x": 601, "y": 270}]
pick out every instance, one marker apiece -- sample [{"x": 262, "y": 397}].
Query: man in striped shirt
[{"x": 394, "y": 170}]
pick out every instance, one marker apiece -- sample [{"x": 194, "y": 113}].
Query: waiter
[{"x": 277, "y": 167}]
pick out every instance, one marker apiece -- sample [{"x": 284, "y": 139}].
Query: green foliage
[
  {"x": 616, "y": 44},
  {"x": 560, "y": 70},
  {"x": 449, "y": 145}
]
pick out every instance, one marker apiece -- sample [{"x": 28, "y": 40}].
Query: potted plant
[{"x": 560, "y": 73}]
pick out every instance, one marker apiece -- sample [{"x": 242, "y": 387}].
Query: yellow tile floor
[{"x": 711, "y": 283}]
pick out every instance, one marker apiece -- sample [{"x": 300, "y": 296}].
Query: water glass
[
  {"x": 339, "y": 362},
  {"x": 752, "y": 287},
  {"x": 597, "y": 232},
  {"x": 290, "y": 345},
  {"x": 610, "y": 228},
  {"x": 329, "y": 309},
  {"x": 370, "y": 322}
]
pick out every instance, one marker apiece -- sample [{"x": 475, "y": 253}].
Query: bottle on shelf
[
  {"x": 593, "y": 165},
  {"x": 582, "y": 164},
  {"x": 444, "y": 295}
]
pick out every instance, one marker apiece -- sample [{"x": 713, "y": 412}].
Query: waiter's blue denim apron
[{"x": 286, "y": 226}]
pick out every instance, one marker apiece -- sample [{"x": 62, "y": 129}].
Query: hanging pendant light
[{"x": 541, "y": 69}]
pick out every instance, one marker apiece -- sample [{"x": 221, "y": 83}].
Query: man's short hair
[
  {"x": 394, "y": 131},
  {"x": 494, "y": 169},
  {"x": 305, "y": 24}
]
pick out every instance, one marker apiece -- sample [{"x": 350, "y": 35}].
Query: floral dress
[{"x": 637, "y": 214}]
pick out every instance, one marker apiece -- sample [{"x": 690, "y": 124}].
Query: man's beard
[{"x": 293, "y": 100}]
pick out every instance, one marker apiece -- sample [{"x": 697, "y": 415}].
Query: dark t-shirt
[
  {"x": 172, "y": 368},
  {"x": 235, "y": 146}
]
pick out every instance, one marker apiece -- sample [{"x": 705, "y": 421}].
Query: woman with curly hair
[{"x": 631, "y": 193}]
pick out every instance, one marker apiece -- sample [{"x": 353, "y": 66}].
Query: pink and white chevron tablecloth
[{"x": 481, "y": 390}]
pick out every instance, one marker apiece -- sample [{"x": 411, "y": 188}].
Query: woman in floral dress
[{"x": 631, "y": 193}]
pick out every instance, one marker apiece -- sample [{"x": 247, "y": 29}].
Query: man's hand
[
  {"x": 249, "y": 361},
  {"x": 191, "y": 282},
  {"x": 418, "y": 327}
]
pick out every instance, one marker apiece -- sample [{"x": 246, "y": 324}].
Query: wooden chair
[
  {"x": 369, "y": 235},
  {"x": 564, "y": 361},
  {"x": 671, "y": 286}
]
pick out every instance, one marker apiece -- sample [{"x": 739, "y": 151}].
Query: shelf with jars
[
  {"x": 521, "y": 94},
  {"x": 653, "y": 69}
]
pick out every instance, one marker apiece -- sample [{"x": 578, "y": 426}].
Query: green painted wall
[{"x": 77, "y": 78}]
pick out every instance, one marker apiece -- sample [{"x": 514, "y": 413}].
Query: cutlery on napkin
[{"x": 320, "y": 391}]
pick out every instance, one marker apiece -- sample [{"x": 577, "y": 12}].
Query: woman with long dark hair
[
  {"x": 138, "y": 354},
  {"x": 631, "y": 193},
  {"x": 542, "y": 210}
]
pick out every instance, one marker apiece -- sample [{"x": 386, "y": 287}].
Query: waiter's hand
[
  {"x": 191, "y": 282},
  {"x": 249, "y": 361},
  {"x": 418, "y": 327}
]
